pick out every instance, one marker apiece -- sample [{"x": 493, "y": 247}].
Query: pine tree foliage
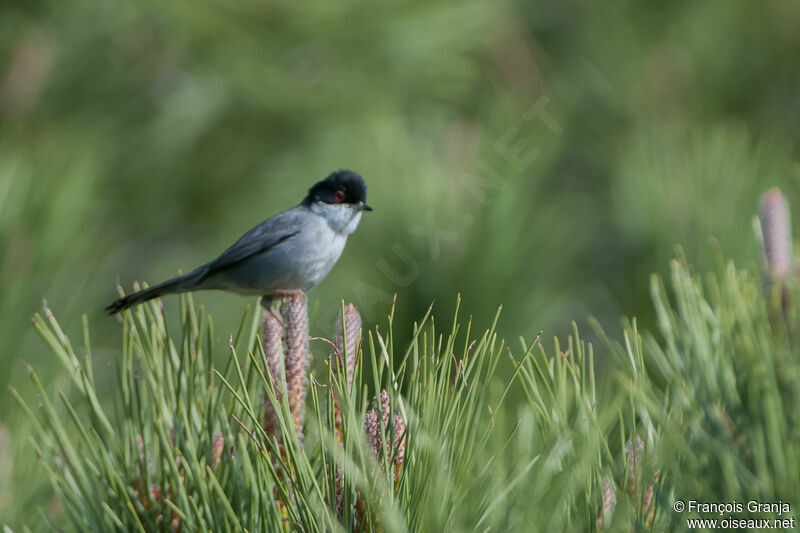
[{"x": 443, "y": 432}]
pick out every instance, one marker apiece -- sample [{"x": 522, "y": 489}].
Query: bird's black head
[{"x": 341, "y": 187}]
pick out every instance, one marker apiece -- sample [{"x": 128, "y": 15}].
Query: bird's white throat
[{"x": 341, "y": 218}]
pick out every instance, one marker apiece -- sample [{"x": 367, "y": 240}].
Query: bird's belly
[{"x": 299, "y": 266}]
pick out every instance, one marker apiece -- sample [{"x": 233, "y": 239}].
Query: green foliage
[
  {"x": 725, "y": 400},
  {"x": 150, "y": 457},
  {"x": 708, "y": 411},
  {"x": 140, "y": 138}
]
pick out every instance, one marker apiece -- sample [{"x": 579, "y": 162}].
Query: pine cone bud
[
  {"x": 273, "y": 331},
  {"x": 295, "y": 311},
  {"x": 347, "y": 342},
  {"x": 399, "y": 440},
  {"x": 776, "y": 225}
]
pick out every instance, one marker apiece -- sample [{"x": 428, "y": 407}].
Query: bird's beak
[{"x": 364, "y": 207}]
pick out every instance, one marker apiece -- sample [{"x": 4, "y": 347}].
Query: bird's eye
[{"x": 339, "y": 197}]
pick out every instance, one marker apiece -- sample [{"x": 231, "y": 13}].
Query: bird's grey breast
[
  {"x": 299, "y": 262},
  {"x": 317, "y": 250}
]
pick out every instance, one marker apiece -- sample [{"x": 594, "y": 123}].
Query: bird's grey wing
[{"x": 261, "y": 238}]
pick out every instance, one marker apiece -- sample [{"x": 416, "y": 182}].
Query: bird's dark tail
[{"x": 182, "y": 283}]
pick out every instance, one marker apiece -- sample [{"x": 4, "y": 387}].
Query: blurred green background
[{"x": 546, "y": 156}]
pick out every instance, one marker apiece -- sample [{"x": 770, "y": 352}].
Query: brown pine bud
[
  {"x": 634, "y": 455},
  {"x": 347, "y": 342},
  {"x": 344, "y": 358},
  {"x": 339, "y": 493},
  {"x": 633, "y": 462},
  {"x": 273, "y": 331},
  {"x": 217, "y": 448},
  {"x": 386, "y": 408},
  {"x": 372, "y": 431},
  {"x": 399, "y": 441},
  {"x": 649, "y": 502},
  {"x": 776, "y": 225},
  {"x": 140, "y": 446},
  {"x": 294, "y": 309},
  {"x": 609, "y": 502}
]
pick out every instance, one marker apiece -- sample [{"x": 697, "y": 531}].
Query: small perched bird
[{"x": 291, "y": 251}]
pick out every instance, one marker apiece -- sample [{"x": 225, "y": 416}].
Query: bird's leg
[
  {"x": 266, "y": 303},
  {"x": 268, "y": 299}
]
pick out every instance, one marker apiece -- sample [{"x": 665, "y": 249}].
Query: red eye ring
[{"x": 339, "y": 197}]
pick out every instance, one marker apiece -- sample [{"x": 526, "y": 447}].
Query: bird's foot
[
  {"x": 276, "y": 316},
  {"x": 266, "y": 303},
  {"x": 268, "y": 299}
]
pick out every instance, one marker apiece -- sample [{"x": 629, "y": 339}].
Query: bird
[{"x": 289, "y": 252}]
